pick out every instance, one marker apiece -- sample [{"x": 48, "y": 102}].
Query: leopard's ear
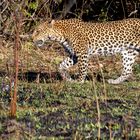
[{"x": 51, "y": 23}]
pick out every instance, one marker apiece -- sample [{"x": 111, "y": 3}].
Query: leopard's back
[
  {"x": 115, "y": 36},
  {"x": 101, "y": 38}
]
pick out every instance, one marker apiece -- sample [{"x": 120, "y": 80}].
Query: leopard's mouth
[{"x": 39, "y": 43}]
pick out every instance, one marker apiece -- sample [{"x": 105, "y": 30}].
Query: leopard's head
[{"x": 45, "y": 32}]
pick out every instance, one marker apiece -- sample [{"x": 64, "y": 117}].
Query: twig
[
  {"x": 25, "y": 36},
  {"x": 16, "y": 58},
  {"x": 123, "y": 9},
  {"x": 132, "y": 13},
  {"x": 98, "y": 110},
  {"x": 7, "y": 4}
]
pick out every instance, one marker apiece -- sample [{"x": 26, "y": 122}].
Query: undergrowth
[{"x": 63, "y": 110}]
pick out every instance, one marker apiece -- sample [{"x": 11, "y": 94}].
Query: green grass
[{"x": 62, "y": 110}]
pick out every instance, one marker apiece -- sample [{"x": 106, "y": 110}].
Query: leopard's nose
[{"x": 39, "y": 43}]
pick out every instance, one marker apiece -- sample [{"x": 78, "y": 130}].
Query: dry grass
[{"x": 47, "y": 59}]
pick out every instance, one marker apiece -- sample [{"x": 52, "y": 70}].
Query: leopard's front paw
[
  {"x": 112, "y": 81},
  {"x": 77, "y": 81}
]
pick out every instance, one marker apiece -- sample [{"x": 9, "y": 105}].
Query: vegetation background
[{"x": 36, "y": 104}]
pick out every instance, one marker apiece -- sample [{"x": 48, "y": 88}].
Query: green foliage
[
  {"x": 33, "y": 5},
  {"x": 103, "y": 15},
  {"x": 68, "y": 110}
]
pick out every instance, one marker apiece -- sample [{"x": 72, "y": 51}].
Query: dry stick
[
  {"x": 104, "y": 85},
  {"x": 110, "y": 131},
  {"x": 123, "y": 9},
  {"x": 98, "y": 110},
  {"x": 16, "y": 57},
  {"x": 99, "y": 117}
]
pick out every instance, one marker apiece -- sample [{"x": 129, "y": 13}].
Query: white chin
[{"x": 40, "y": 45}]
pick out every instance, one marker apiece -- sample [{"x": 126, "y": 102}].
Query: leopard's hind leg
[{"x": 128, "y": 59}]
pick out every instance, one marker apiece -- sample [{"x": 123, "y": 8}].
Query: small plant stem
[
  {"x": 16, "y": 58},
  {"x": 98, "y": 109},
  {"x": 110, "y": 131}
]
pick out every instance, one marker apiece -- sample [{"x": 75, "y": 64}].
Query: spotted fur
[{"x": 85, "y": 39}]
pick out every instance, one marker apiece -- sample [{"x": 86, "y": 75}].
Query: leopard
[{"x": 82, "y": 40}]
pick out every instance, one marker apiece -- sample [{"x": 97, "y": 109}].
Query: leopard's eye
[{"x": 37, "y": 32}]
